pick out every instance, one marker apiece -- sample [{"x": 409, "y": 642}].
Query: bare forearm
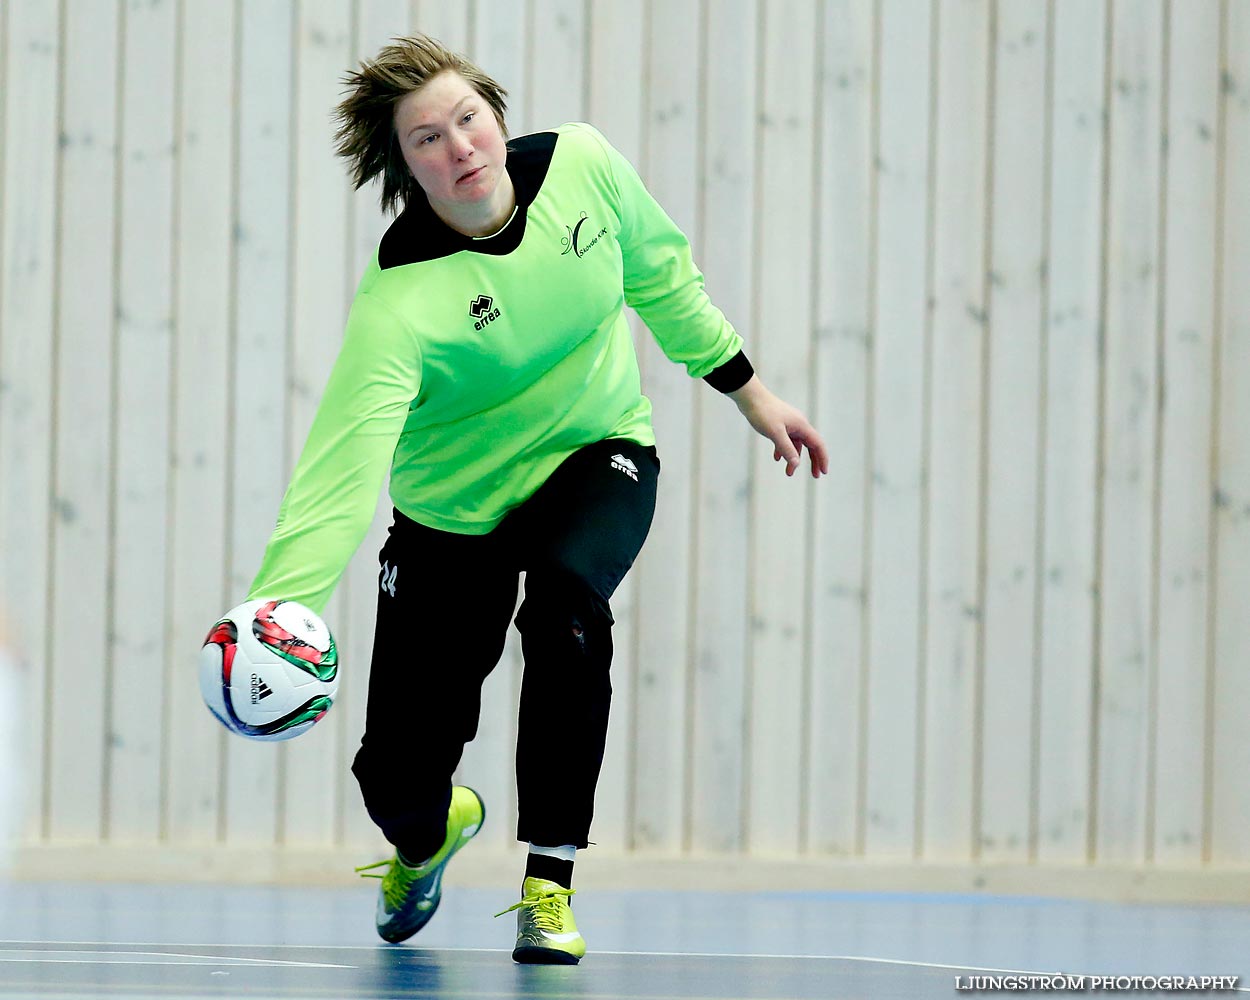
[
  {"x": 782, "y": 424},
  {"x": 752, "y": 393}
]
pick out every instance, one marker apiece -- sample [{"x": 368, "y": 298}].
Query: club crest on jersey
[
  {"x": 481, "y": 309},
  {"x": 577, "y": 241}
]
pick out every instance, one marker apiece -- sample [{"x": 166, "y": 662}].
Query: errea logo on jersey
[
  {"x": 577, "y": 241},
  {"x": 480, "y": 309}
]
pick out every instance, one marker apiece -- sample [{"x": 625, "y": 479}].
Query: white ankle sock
[{"x": 566, "y": 853}]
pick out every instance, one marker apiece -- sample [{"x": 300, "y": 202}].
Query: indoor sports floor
[{"x": 67, "y": 941}]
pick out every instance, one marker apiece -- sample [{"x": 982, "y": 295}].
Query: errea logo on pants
[{"x": 623, "y": 464}]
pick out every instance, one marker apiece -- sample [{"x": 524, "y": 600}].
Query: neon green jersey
[{"x": 473, "y": 367}]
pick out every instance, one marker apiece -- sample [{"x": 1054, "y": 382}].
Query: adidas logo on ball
[{"x": 260, "y": 689}]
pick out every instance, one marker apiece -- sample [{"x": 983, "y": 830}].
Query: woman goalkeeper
[{"x": 488, "y": 364}]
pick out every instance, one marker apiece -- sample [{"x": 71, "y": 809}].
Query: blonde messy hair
[{"x": 365, "y": 120}]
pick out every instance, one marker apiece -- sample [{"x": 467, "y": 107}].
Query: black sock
[
  {"x": 551, "y": 869},
  {"x": 405, "y": 859},
  {"x": 415, "y": 853}
]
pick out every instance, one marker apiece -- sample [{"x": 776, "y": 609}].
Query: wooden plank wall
[{"x": 998, "y": 251}]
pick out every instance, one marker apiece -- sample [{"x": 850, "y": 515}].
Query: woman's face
[{"x": 451, "y": 141}]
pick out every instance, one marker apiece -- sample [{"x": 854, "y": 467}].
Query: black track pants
[{"x": 443, "y": 612}]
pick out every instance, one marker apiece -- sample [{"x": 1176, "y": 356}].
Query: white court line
[
  {"x": 124, "y": 958},
  {"x": 641, "y": 954}
]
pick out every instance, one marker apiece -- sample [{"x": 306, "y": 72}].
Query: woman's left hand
[{"x": 783, "y": 425}]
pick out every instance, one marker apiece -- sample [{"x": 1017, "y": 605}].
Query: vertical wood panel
[
  {"x": 1131, "y": 388},
  {"x": 663, "y": 570},
  {"x": 556, "y": 62},
  {"x": 500, "y": 43},
  {"x": 260, "y": 382},
  {"x": 897, "y": 419},
  {"x": 446, "y": 20},
  {"x": 724, "y": 442},
  {"x": 1012, "y": 425},
  {"x": 779, "y": 544},
  {"x": 615, "y": 76},
  {"x": 84, "y": 407},
  {"x": 953, "y": 612},
  {"x": 198, "y": 504},
  {"x": 1185, "y": 448},
  {"x": 16, "y": 802},
  {"x": 1073, "y": 344},
  {"x": 144, "y": 357},
  {"x": 318, "y": 313},
  {"x": 839, "y": 410},
  {"x": 1230, "y": 752},
  {"x": 27, "y": 309},
  {"x": 376, "y": 23}
]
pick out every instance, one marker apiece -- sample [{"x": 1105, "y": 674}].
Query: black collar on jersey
[{"x": 418, "y": 234}]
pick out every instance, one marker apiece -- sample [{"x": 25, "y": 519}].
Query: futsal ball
[{"x": 269, "y": 670}]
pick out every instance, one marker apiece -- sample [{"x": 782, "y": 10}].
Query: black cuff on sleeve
[{"x": 732, "y": 375}]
